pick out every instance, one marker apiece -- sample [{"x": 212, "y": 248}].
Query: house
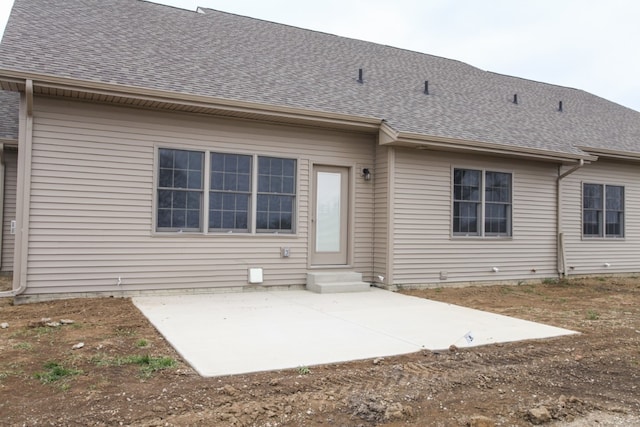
[{"x": 162, "y": 149}]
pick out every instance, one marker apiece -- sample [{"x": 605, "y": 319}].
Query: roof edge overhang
[
  {"x": 605, "y": 153},
  {"x": 15, "y": 80},
  {"x": 389, "y": 136}
]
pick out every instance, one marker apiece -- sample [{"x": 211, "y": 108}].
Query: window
[
  {"x": 230, "y": 192},
  {"x": 481, "y": 203},
  {"x": 602, "y": 210},
  {"x": 466, "y": 201},
  {"x": 497, "y": 190},
  {"x": 276, "y": 194},
  {"x": 180, "y": 190},
  {"x": 229, "y": 206}
]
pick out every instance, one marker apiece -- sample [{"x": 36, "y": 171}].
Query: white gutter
[
  {"x": 561, "y": 260},
  {"x": 23, "y": 192}
]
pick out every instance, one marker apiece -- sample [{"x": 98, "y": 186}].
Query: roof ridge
[
  {"x": 170, "y": 6},
  {"x": 310, "y": 30}
]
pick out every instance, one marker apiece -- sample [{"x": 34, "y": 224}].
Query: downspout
[
  {"x": 562, "y": 261},
  {"x": 23, "y": 192},
  {"x": 391, "y": 172}
]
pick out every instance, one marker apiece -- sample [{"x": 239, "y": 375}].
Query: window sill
[
  {"x": 196, "y": 234},
  {"x": 604, "y": 239},
  {"x": 500, "y": 238}
]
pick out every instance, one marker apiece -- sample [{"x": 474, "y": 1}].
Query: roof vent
[
  {"x": 426, "y": 87},
  {"x": 560, "y": 106},
  {"x": 515, "y": 98},
  {"x": 360, "y": 76}
]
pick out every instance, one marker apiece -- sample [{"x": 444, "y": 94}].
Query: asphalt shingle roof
[
  {"x": 9, "y": 104},
  {"x": 218, "y": 54}
]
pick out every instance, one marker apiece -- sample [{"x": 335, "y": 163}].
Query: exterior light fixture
[{"x": 366, "y": 174}]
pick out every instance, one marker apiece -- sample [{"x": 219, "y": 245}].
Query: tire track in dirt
[{"x": 480, "y": 367}]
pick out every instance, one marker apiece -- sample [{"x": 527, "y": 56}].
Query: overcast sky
[{"x": 586, "y": 44}]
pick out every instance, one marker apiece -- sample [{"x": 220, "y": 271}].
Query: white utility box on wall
[{"x": 255, "y": 275}]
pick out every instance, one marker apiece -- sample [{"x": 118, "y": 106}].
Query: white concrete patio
[{"x": 234, "y": 333}]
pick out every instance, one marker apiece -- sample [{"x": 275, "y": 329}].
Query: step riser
[
  {"x": 334, "y": 288},
  {"x": 336, "y": 282},
  {"x": 333, "y": 277}
]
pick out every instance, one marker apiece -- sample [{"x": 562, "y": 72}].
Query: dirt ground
[{"x": 126, "y": 373}]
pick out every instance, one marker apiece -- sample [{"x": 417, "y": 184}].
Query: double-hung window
[
  {"x": 602, "y": 210},
  {"x": 276, "y": 194},
  {"x": 246, "y": 193},
  {"x": 180, "y": 190},
  {"x": 229, "y": 192},
  {"x": 481, "y": 203}
]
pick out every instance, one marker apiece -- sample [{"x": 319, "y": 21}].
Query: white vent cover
[{"x": 255, "y": 275}]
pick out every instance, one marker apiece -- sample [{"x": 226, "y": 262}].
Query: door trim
[{"x": 351, "y": 186}]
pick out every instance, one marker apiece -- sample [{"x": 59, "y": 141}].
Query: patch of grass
[
  {"x": 55, "y": 372},
  {"x": 304, "y": 370},
  {"x": 149, "y": 364},
  {"x": 23, "y": 346},
  {"x": 44, "y": 330},
  {"x": 142, "y": 343},
  {"x": 101, "y": 359},
  {"x": 10, "y": 373},
  {"x": 33, "y": 332},
  {"x": 437, "y": 290},
  {"x": 561, "y": 282},
  {"x": 125, "y": 332},
  {"x": 592, "y": 315}
]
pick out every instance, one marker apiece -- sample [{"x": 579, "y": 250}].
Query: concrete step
[
  {"x": 334, "y": 282},
  {"x": 333, "y": 277}
]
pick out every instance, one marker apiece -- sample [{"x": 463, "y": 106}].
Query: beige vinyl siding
[
  {"x": 381, "y": 226},
  {"x": 589, "y": 255},
  {"x": 423, "y": 242},
  {"x": 93, "y": 191},
  {"x": 364, "y": 216},
  {"x": 9, "y": 207}
]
